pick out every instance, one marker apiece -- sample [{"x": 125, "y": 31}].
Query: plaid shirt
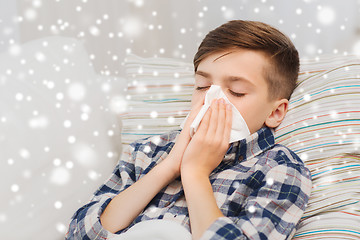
[{"x": 262, "y": 189}]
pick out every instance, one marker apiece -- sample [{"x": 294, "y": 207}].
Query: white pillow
[{"x": 58, "y": 139}]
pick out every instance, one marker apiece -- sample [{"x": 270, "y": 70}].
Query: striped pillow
[
  {"x": 322, "y": 126},
  {"x": 324, "y": 111},
  {"x": 333, "y": 211},
  {"x": 158, "y": 96}
]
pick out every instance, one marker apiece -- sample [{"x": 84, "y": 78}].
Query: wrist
[
  {"x": 170, "y": 167},
  {"x": 193, "y": 175}
]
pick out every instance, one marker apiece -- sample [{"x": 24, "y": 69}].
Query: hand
[
  {"x": 183, "y": 139},
  {"x": 210, "y": 142}
]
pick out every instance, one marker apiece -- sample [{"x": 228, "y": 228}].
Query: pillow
[
  {"x": 322, "y": 126},
  {"x": 333, "y": 209},
  {"x": 59, "y": 141},
  {"x": 324, "y": 115},
  {"x": 158, "y": 96}
]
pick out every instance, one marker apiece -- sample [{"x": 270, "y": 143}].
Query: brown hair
[{"x": 282, "y": 71}]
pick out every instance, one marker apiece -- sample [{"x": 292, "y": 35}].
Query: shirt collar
[{"x": 251, "y": 146}]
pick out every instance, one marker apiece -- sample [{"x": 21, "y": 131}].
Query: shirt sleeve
[
  {"x": 272, "y": 210},
  {"x": 85, "y": 223}
]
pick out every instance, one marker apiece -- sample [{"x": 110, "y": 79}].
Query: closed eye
[
  {"x": 232, "y": 92},
  {"x": 202, "y": 88},
  {"x": 237, "y": 94}
]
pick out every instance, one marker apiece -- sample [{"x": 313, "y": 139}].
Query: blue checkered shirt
[{"x": 262, "y": 189}]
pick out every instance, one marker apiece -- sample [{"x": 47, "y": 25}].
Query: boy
[{"x": 250, "y": 189}]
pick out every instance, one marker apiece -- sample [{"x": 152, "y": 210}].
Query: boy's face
[{"x": 240, "y": 75}]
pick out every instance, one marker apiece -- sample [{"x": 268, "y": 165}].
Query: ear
[{"x": 279, "y": 110}]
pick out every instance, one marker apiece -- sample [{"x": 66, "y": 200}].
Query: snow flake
[
  {"x": 71, "y": 139},
  {"x": 60, "y": 227},
  {"x": 252, "y": 209},
  {"x": 3, "y": 217},
  {"x": 59, "y": 96},
  {"x": 138, "y": 3},
  {"x": 307, "y": 97},
  {"x": 69, "y": 164},
  {"x": 84, "y": 155},
  {"x": 326, "y": 15},
  {"x": 19, "y": 96},
  {"x": 15, "y": 188},
  {"x": 93, "y": 175},
  {"x": 147, "y": 149},
  {"x": 76, "y": 91},
  {"x": 118, "y": 104},
  {"x": 58, "y": 204},
  {"x": 171, "y": 120},
  {"x": 14, "y": 50},
  {"x": 24, "y": 153},
  {"x": 10, "y": 161},
  {"x": 304, "y": 156},
  {"x": 132, "y": 27},
  {"x": 60, "y": 176},
  {"x": 30, "y": 14},
  {"x": 57, "y": 162},
  {"x": 39, "y": 56},
  {"x": 153, "y": 114},
  {"x": 270, "y": 181},
  {"x": 156, "y": 140},
  {"x": 84, "y": 116},
  {"x": 95, "y": 31},
  {"x": 229, "y": 14}
]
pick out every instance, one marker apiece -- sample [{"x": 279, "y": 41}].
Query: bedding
[
  {"x": 156, "y": 230},
  {"x": 322, "y": 126}
]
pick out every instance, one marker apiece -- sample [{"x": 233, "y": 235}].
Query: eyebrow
[{"x": 228, "y": 78}]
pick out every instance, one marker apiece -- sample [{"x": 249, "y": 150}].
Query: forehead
[
  {"x": 247, "y": 64},
  {"x": 236, "y": 54}
]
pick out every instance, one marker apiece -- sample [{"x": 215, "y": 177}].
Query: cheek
[{"x": 196, "y": 97}]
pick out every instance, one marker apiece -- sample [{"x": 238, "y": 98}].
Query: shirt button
[{"x": 241, "y": 158}]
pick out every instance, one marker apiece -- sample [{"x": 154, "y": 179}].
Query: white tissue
[{"x": 239, "y": 129}]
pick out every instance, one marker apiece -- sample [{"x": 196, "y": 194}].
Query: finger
[
  {"x": 228, "y": 122},
  {"x": 204, "y": 123},
  {"x": 214, "y": 119},
  {"x": 221, "y": 119}
]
